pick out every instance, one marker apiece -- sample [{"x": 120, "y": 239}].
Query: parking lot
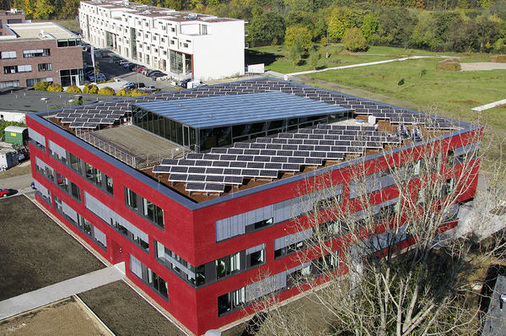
[{"x": 122, "y": 75}]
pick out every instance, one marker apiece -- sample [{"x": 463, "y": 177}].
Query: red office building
[{"x": 197, "y": 191}]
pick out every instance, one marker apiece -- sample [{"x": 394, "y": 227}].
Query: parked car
[
  {"x": 129, "y": 85},
  {"x": 149, "y": 89},
  {"x": 6, "y": 192},
  {"x": 184, "y": 82},
  {"x": 100, "y": 77},
  {"x": 154, "y": 73}
]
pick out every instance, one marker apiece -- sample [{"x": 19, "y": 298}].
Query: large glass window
[
  {"x": 144, "y": 207},
  {"x": 36, "y": 53},
  {"x": 228, "y": 265},
  {"x": 231, "y": 301}
]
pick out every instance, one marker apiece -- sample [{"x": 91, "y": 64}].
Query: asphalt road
[{"x": 20, "y": 183}]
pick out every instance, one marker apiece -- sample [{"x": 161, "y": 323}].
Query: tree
[
  {"x": 369, "y": 26},
  {"x": 266, "y": 29},
  {"x": 354, "y": 40},
  {"x": 295, "y": 54},
  {"x": 300, "y": 36},
  {"x": 313, "y": 59},
  {"x": 338, "y": 23},
  {"x": 44, "y": 9},
  {"x": 395, "y": 267},
  {"x": 395, "y": 26}
]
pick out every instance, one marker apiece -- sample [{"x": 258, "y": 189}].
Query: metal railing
[{"x": 135, "y": 161}]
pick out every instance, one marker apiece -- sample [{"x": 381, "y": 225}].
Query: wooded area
[{"x": 449, "y": 25}]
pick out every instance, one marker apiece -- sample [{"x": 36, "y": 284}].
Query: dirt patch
[
  {"x": 126, "y": 313},
  {"x": 61, "y": 318},
  {"x": 21, "y": 169},
  {"x": 36, "y": 252},
  {"x": 483, "y": 66}
]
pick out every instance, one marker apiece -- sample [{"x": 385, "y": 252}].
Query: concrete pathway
[
  {"x": 361, "y": 65},
  {"x": 59, "y": 291},
  {"x": 489, "y": 106}
]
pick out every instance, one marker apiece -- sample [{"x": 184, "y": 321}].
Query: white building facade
[{"x": 181, "y": 44}]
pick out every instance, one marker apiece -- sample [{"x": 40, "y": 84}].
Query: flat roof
[
  {"x": 40, "y": 30},
  {"x": 218, "y": 111},
  {"x": 135, "y": 8}
]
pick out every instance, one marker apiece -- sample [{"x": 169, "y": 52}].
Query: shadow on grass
[
  {"x": 488, "y": 286},
  {"x": 256, "y": 57}
]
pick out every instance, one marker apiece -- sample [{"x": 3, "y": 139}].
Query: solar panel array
[
  {"x": 269, "y": 157},
  {"x": 91, "y": 116}
]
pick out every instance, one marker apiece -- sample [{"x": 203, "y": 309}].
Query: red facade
[{"x": 190, "y": 228}]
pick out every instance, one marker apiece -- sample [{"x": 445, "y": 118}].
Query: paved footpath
[{"x": 61, "y": 290}]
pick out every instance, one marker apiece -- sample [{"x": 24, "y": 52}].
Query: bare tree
[{"x": 387, "y": 260}]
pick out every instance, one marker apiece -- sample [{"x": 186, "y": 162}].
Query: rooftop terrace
[{"x": 373, "y": 127}]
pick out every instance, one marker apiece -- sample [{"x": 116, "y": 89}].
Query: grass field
[
  {"x": 35, "y": 251},
  {"x": 275, "y": 57}
]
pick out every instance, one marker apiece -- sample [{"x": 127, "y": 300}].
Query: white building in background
[{"x": 181, "y": 44}]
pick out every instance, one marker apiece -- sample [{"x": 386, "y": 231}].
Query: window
[
  {"x": 68, "y": 43},
  {"x": 228, "y": 265},
  {"x": 144, "y": 207},
  {"x": 185, "y": 270},
  {"x": 5, "y": 84},
  {"x": 153, "y": 280},
  {"x": 158, "y": 283},
  {"x": 36, "y": 53},
  {"x": 260, "y": 224},
  {"x": 231, "y": 301},
  {"x": 131, "y": 199},
  {"x": 328, "y": 202},
  {"x": 24, "y": 68},
  {"x": 8, "y": 54},
  {"x": 45, "y": 67},
  {"x": 256, "y": 258},
  {"x": 10, "y": 69},
  {"x": 204, "y": 29},
  {"x": 75, "y": 163}
]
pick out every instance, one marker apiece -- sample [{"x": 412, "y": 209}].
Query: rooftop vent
[{"x": 191, "y": 16}]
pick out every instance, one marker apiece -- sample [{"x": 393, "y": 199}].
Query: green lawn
[{"x": 276, "y": 59}]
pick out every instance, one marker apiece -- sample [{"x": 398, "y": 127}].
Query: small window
[
  {"x": 45, "y": 67},
  {"x": 8, "y": 54}
]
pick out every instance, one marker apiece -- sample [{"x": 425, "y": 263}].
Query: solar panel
[{"x": 161, "y": 169}]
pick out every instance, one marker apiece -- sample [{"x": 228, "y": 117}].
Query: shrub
[
  {"x": 106, "y": 91},
  {"x": 449, "y": 64},
  {"x": 137, "y": 93},
  {"x": 90, "y": 89},
  {"x": 124, "y": 93},
  {"x": 498, "y": 58},
  {"x": 41, "y": 86},
  {"x": 354, "y": 40},
  {"x": 73, "y": 89},
  {"x": 55, "y": 88}
]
